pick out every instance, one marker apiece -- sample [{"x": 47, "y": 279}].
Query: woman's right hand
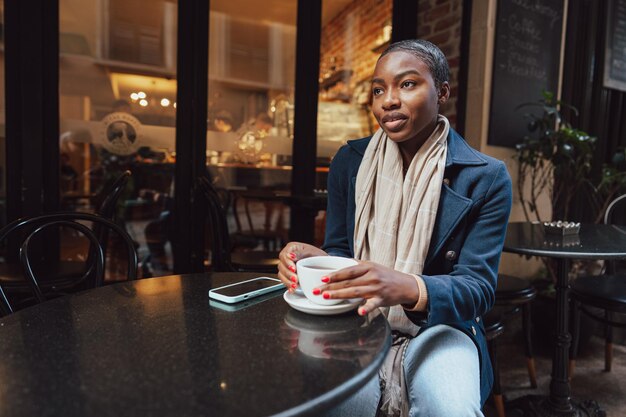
[{"x": 291, "y": 253}]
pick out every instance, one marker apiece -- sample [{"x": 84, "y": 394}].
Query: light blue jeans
[{"x": 442, "y": 372}]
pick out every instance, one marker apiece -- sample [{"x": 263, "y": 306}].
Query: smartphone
[{"x": 244, "y": 290}]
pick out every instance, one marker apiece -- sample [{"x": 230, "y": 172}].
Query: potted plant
[{"x": 553, "y": 157}]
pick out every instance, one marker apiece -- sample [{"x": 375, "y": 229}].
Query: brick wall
[
  {"x": 351, "y": 36},
  {"x": 439, "y": 21}
]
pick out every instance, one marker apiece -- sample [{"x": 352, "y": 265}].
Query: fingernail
[
  {"x": 292, "y": 268},
  {"x": 293, "y": 286},
  {"x": 294, "y": 279},
  {"x": 362, "y": 311},
  {"x": 316, "y": 291},
  {"x": 325, "y": 279},
  {"x": 292, "y": 255},
  {"x": 326, "y": 295}
]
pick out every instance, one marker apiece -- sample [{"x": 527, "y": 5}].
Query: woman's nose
[{"x": 391, "y": 99}]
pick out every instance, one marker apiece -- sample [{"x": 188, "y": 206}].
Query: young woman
[{"x": 426, "y": 216}]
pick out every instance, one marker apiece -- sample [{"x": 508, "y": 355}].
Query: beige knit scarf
[{"x": 395, "y": 215}]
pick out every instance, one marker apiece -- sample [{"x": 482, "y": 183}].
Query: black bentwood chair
[
  {"x": 514, "y": 295},
  {"x": 36, "y": 272},
  {"x": 606, "y": 292},
  {"x": 5, "y": 307},
  {"x": 11, "y": 274},
  {"x": 222, "y": 257},
  {"x": 111, "y": 195},
  {"x": 271, "y": 234}
]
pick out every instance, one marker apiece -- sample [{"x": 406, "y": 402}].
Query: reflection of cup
[
  {"x": 311, "y": 270},
  {"x": 317, "y": 334}
]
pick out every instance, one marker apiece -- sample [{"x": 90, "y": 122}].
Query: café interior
[{"x": 136, "y": 110}]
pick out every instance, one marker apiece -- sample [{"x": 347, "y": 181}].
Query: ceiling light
[
  {"x": 165, "y": 102},
  {"x": 134, "y": 96},
  {"x": 143, "y": 102},
  {"x": 141, "y": 94}
]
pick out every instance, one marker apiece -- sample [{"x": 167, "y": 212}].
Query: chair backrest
[
  {"x": 94, "y": 274},
  {"x": 611, "y": 209},
  {"x": 107, "y": 209},
  {"x": 616, "y": 206},
  {"x": 5, "y": 306},
  {"x": 220, "y": 239},
  {"x": 28, "y": 266},
  {"x": 112, "y": 195}
]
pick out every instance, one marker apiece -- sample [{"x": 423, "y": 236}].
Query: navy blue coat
[{"x": 461, "y": 267}]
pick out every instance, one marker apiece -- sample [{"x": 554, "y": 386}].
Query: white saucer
[{"x": 301, "y": 303}]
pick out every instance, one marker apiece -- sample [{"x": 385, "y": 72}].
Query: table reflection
[{"x": 344, "y": 337}]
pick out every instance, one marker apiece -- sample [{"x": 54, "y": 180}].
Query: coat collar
[
  {"x": 458, "y": 153},
  {"x": 457, "y": 206}
]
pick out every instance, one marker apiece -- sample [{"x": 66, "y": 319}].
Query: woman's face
[{"x": 405, "y": 98}]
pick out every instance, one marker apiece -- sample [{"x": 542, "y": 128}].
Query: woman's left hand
[{"x": 379, "y": 285}]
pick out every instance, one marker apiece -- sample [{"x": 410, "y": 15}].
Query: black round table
[
  {"x": 160, "y": 347},
  {"x": 593, "y": 241}
]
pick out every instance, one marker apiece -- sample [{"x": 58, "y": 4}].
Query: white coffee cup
[{"x": 311, "y": 271}]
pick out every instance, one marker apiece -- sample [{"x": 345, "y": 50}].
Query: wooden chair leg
[
  {"x": 532, "y": 373},
  {"x": 530, "y": 360},
  {"x": 496, "y": 390},
  {"x": 608, "y": 347},
  {"x": 499, "y": 404}
]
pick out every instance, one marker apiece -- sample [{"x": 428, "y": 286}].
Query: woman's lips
[{"x": 394, "y": 124}]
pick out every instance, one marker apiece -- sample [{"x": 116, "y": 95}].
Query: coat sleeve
[
  {"x": 336, "y": 239},
  {"x": 469, "y": 290}
]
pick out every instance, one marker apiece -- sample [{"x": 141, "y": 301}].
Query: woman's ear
[{"x": 444, "y": 93}]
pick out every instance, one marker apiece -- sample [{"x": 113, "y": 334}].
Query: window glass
[
  {"x": 354, "y": 33},
  {"x": 117, "y": 105},
  {"x": 250, "y": 113}
]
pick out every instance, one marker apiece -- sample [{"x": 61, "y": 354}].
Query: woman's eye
[
  {"x": 408, "y": 84},
  {"x": 377, "y": 91}
]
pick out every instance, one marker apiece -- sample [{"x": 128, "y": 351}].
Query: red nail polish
[
  {"x": 325, "y": 279},
  {"x": 294, "y": 279},
  {"x": 292, "y": 268},
  {"x": 362, "y": 311},
  {"x": 326, "y": 296},
  {"x": 316, "y": 291},
  {"x": 292, "y": 255},
  {"x": 293, "y": 286}
]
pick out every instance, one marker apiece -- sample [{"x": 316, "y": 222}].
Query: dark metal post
[
  {"x": 559, "y": 385},
  {"x": 191, "y": 116},
  {"x": 304, "y": 152},
  {"x": 32, "y": 110},
  {"x": 404, "y": 20}
]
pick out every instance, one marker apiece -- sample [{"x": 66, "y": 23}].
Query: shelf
[
  {"x": 378, "y": 48},
  {"x": 335, "y": 77}
]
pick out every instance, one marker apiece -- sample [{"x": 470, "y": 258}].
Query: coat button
[
  {"x": 451, "y": 255},
  {"x": 477, "y": 319},
  {"x": 446, "y": 181},
  {"x": 474, "y": 330}
]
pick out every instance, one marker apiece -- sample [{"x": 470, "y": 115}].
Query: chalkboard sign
[
  {"x": 527, "y": 51},
  {"x": 615, "y": 51}
]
